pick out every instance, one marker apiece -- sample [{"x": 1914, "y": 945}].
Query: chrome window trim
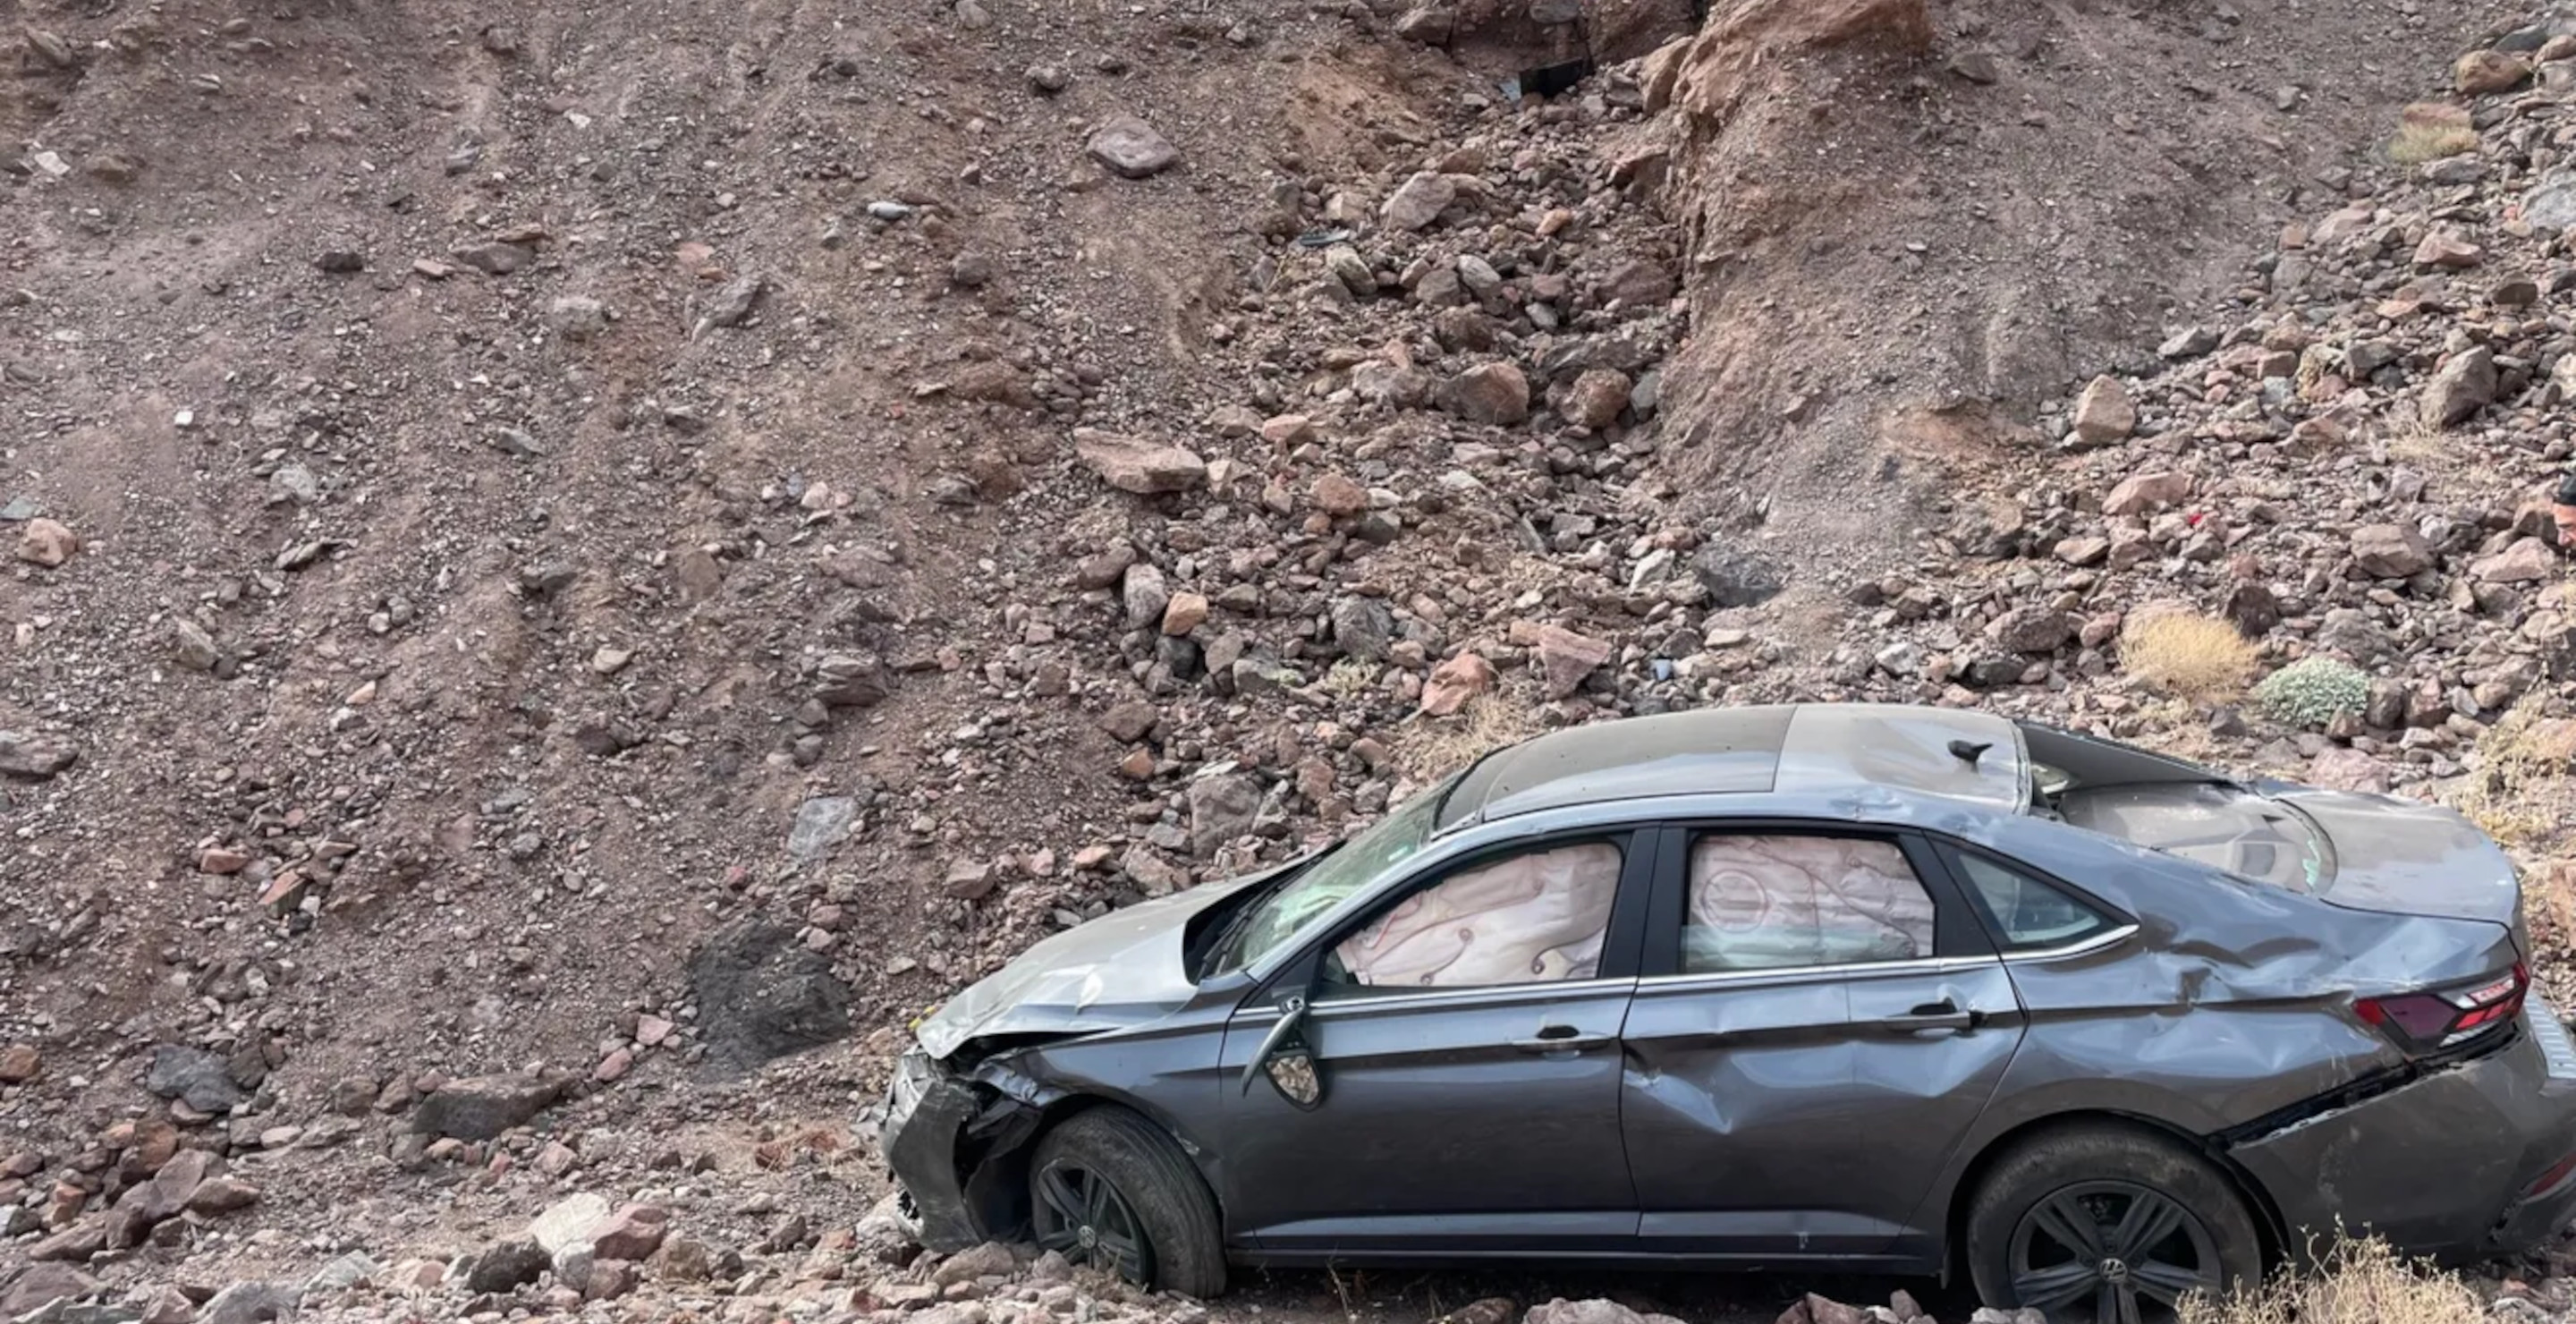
[
  {"x": 2097, "y": 942},
  {"x": 1337, "y": 1008},
  {"x": 1800, "y": 973}
]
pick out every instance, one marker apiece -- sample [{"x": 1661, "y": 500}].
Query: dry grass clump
[
  {"x": 2189, "y": 656},
  {"x": 2520, "y": 792},
  {"x": 2549, "y": 907},
  {"x": 1433, "y": 747},
  {"x": 2429, "y": 131},
  {"x": 2358, "y": 1282}
]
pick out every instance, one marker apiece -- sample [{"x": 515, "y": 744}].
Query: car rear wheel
[
  {"x": 2106, "y": 1225},
  {"x": 1109, "y": 1189}
]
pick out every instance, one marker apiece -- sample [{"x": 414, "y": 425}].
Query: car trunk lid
[
  {"x": 2361, "y": 852},
  {"x": 2406, "y": 857}
]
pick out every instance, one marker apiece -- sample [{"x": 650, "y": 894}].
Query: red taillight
[
  {"x": 2548, "y": 1182},
  {"x": 2425, "y": 1022}
]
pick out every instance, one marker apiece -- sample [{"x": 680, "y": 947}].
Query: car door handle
[
  {"x": 1942, "y": 1015},
  {"x": 1560, "y": 1039}
]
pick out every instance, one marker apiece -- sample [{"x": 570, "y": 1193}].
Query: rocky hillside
[{"x": 561, "y": 563}]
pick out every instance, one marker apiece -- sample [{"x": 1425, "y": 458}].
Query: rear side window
[
  {"x": 2025, "y": 913},
  {"x": 1775, "y": 902}
]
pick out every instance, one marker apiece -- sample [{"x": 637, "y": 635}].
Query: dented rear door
[{"x": 1806, "y": 1111}]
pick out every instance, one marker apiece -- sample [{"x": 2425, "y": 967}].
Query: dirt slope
[{"x": 545, "y": 493}]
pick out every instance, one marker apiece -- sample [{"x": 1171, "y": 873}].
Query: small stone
[
  {"x": 482, "y": 1107},
  {"x": 250, "y": 1303},
  {"x": 2463, "y": 385},
  {"x": 222, "y": 1195},
  {"x": 1184, "y": 613},
  {"x": 1131, "y": 721},
  {"x": 1737, "y": 578},
  {"x": 2139, "y": 494},
  {"x": 2526, "y": 561},
  {"x": 41, "y": 1286},
  {"x": 19, "y": 1063},
  {"x": 1597, "y": 398},
  {"x": 1490, "y": 393},
  {"x": 1429, "y": 24},
  {"x": 1144, "y": 594},
  {"x": 989, "y": 1259},
  {"x": 1132, "y": 464},
  {"x": 683, "y": 1260},
  {"x": 2031, "y": 630},
  {"x": 574, "y": 1218},
  {"x": 577, "y": 317},
  {"x": 633, "y": 1233},
  {"x": 508, "y": 1266},
  {"x": 822, "y": 822},
  {"x": 193, "y": 1076},
  {"x": 46, "y": 543},
  {"x": 1418, "y": 201},
  {"x": 1047, "y": 79},
  {"x": 1222, "y": 808},
  {"x": 732, "y": 304},
  {"x": 1132, "y": 148},
  {"x": 2442, "y": 250},
  {"x": 969, "y": 880},
  {"x": 2104, "y": 413},
  {"x": 2390, "y": 551},
  {"x": 340, "y": 258},
  {"x": 1338, "y": 496},
  {"x": 2484, "y": 73},
  {"x": 2188, "y": 343},
  {"x": 1455, "y": 681},
  {"x": 1567, "y": 659},
  {"x": 611, "y": 1279},
  {"x": 496, "y": 258}
]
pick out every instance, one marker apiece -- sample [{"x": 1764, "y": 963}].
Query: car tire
[
  {"x": 1161, "y": 1194},
  {"x": 2062, "y": 1185}
]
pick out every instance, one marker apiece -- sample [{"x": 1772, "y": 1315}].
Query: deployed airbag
[
  {"x": 1768, "y": 902},
  {"x": 1528, "y": 919}
]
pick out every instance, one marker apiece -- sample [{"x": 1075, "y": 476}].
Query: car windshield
[{"x": 1283, "y": 914}]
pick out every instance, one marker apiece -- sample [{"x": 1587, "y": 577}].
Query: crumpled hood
[{"x": 1121, "y": 969}]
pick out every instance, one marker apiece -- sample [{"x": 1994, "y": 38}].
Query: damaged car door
[
  {"x": 1819, "y": 1021},
  {"x": 1440, "y": 1075}
]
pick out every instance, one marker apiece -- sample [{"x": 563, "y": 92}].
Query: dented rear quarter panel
[
  {"x": 2430, "y": 1165},
  {"x": 2230, "y": 1004}
]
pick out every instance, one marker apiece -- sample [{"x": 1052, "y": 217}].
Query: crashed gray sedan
[{"x": 1815, "y": 986}]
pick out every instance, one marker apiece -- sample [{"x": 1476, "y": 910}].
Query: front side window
[
  {"x": 1334, "y": 877},
  {"x": 2025, "y": 913},
  {"x": 1529, "y": 918},
  {"x": 1782, "y": 901}
]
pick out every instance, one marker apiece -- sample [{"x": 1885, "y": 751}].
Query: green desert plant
[{"x": 2313, "y": 691}]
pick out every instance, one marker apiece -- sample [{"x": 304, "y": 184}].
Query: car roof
[{"x": 1783, "y": 748}]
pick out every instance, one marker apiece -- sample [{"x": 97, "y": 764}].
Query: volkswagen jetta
[{"x": 1830, "y": 986}]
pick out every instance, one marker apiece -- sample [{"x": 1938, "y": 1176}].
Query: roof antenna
[{"x": 1969, "y": 751}]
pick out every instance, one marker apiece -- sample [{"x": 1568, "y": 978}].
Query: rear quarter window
[{"x": 2025, "y": 913}]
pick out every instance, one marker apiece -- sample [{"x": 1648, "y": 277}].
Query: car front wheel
[
  {"x": 2106, "y": 1225},
  {"x": 1109, "y": 1189}
]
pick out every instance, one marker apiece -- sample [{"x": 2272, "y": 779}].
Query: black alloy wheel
[
  {"x": 2112, "y": 1252},
  {"x": 1081, "y": 1216}
]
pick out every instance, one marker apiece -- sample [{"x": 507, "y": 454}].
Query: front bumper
[
  {"x": 939, "y": 1133},
  {"x": 2450, "y": 1166}
]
